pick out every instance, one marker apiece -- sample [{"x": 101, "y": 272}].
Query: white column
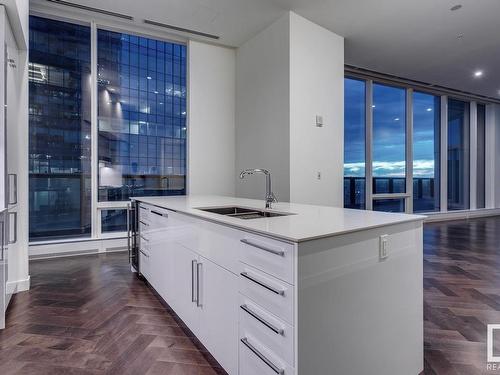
[{"x": 490, "y": 155}]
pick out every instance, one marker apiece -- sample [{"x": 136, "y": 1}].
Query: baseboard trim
[
  {"x": 83, "y": 247},
  {"x": 17, "y": 286}
]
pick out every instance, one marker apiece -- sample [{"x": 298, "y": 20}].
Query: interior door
[{"x": 219, "y": 314}]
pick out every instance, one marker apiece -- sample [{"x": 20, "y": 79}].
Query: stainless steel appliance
[{"x": 133, "y": 234}]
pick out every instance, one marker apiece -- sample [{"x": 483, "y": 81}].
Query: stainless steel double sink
[{"x": 244, "y": 213}]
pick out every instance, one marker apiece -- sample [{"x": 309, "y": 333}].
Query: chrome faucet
[{"x": 270, "y": 197}]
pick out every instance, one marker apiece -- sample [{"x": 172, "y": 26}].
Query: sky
[{"x": 389, "y": 133}]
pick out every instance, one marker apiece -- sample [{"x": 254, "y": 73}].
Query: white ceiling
[{"x": 416, "y": 39}]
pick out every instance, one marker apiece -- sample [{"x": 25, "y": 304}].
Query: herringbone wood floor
[
  {"x": 461, "y": 294},
  {"x": 90, "y": 315}
]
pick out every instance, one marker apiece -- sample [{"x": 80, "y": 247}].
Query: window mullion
[{"x": 96, "y": 222}]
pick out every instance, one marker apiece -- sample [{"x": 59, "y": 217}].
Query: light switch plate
[{"x": 319, "y": 121}]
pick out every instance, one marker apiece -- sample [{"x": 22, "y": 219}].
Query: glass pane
[
  {"x": 458, "y": 155},
  {"x": 59, "y": 129},
  {"x": 141, "y": 117},
  {"x": 113, "y": 221},
  {"x": 426, "y": 143},
  {"x": 481, "y": 140},
  {"x": 389, "y": 138},
  {"x": 354, "y": 143},
  {"x": 389, "y": 205}
]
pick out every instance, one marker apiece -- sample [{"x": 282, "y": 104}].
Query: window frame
[
  {"x": 444, "y": 96},
  {"x": 96, "y": 22}
]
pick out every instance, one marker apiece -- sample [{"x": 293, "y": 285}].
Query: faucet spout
[{"x": 270, "y": 196}]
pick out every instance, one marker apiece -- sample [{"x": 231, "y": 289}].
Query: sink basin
[{"x": 243, "y": 212}]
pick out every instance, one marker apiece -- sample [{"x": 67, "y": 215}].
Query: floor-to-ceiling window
[
  {"x": 141, "y": 119},
  {"x": 60, "y": 129},
  {"x": 140, "y": 88},
  {"x": 481, "y": 156},
  {"x": 389, "y": 146},
  {"x": 426, "y": 145},
  {"x": 354, "y": 141},
  {"x": 458, "y": 155},
  {"x": 409, "y": 151}
]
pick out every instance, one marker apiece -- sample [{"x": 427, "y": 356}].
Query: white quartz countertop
[{"x": 309, "y": 222}]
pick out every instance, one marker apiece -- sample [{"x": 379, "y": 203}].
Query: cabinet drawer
[
  {"x": 266, "y": 328},
  {"x": 271, "y": 256},
  {"x": 255, "y": 359},
  {"x": 272, "y": 294},
  {"x": 144, "y": 263}
]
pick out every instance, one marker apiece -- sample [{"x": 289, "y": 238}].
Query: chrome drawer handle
[
  {"x": 143, "y": 223},
  {"x": 193, "y": 282},
  {"x": 261, "y": 356},
  {"x": 276, "y": 330},
  {"x": 159, "y": 213},
  {"x": 198, "y": 278},
  {"x": 268, "y": 287},
  {"x": 144, "y": 253},
  {"x": 272, "y": 251}
]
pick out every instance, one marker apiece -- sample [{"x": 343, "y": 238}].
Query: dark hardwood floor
[
  {"x": 461, "y": 294},
  {"x": 91, "y": 315}
]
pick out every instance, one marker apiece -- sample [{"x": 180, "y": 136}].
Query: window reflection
[
  {"x": 458, "y": 155},
  {"x": 354, "y": 143},
  {"x": 59, "y": 129},
  {"x": 426, "y": 143},
  {"x": 141, "y": 116},
  {"x": 389, "y": 139}
]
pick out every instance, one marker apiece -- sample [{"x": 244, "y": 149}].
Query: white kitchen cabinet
[
  {"x": 262, "y": 304},
  {"x": 218, "y": 328},
  {"x": 185, "y": 282}
]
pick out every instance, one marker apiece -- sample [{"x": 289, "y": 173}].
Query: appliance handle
[
  {"x": 15, "y": 228},
  {"x": 15, "y": 188}
]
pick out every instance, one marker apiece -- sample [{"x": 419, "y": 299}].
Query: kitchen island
[{"x": 297, "y": 289}]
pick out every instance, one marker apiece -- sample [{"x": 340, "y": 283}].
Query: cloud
[{"x": 421, "y": 168}]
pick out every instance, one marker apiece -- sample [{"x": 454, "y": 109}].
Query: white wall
[
  {"x": 316, "y": 88},
  {"x": 211, "y": 149},
  {"x": 262, "y": 111},
  {"x": 18, "y": 13},
  {"x": 285, "y": 76}
]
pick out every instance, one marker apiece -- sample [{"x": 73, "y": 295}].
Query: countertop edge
[{"x": 411, "y": 218}]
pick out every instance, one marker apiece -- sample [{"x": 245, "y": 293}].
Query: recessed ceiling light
[
  {"x": 429, "y": 109},
  {"x": 456, "y": 7},
  {"x": 396, "y": 119},
  {"x": 148, "y": 77},
  {"x": 373, "y": 106},
  {"x": 478, "y": 73},
  {"x": 156, "y": 92}
]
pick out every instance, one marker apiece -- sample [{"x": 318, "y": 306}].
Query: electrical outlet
[{"x": 384, "y": 247}]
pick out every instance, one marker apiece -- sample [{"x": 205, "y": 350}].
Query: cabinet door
[
  {"x": 219, "y": 314},
  {"x": 183, "y": 290}
]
